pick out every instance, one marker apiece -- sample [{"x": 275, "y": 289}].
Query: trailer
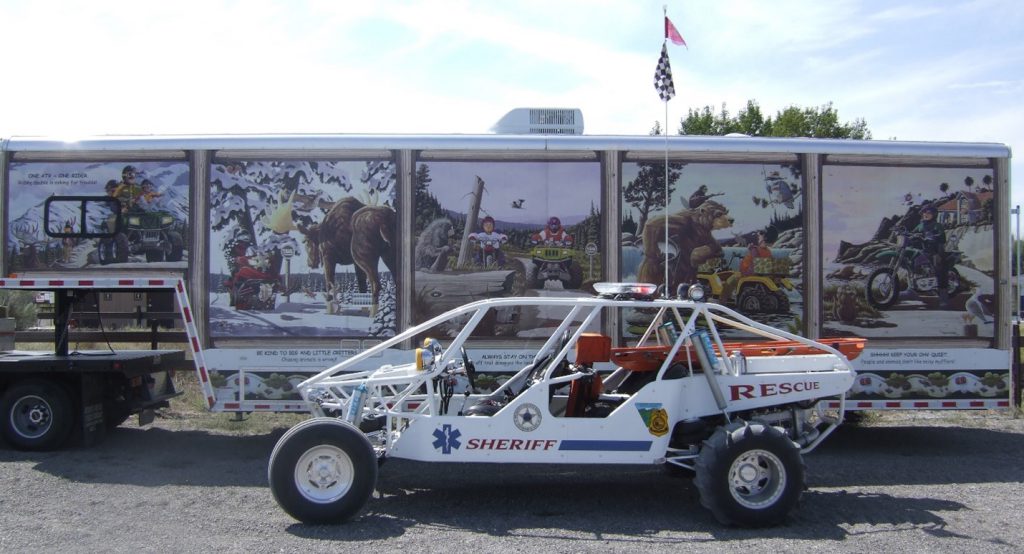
[
  {"x": 299, "y": 251},
  {"x": 51, "y": 397}
]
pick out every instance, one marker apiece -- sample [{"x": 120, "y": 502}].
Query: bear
[
  {"x": 690, "y": 237},
  {"x": 433, "y": 247}
]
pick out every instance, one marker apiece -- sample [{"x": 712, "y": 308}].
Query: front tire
[
  {"x": 749, "y": 475},
  {"x": 322, "y": 470},
  {"x": 37, "y": 415},
  {"x": 883, "y": 288}
]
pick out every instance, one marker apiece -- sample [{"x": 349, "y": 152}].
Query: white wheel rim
[
  {"x": 31, "y": 416},
  {"x": 757, "y": 479},
  {"x": 324, "y": 474}
]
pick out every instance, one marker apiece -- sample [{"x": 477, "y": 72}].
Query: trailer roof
[{"x": 690, "y": 144}]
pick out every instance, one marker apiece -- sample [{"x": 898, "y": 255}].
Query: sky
[{"x": 935, "y": 70}]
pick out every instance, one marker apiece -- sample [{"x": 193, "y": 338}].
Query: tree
[
  {"x": 648, "y": 189},
  {"x": 819, "y": 122}
]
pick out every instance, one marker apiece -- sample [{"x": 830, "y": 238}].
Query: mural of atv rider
[
  {"x": 488, "y": 245},
  {"x": 128, "y": 189},
  {"x": 553, "y": 258},
  {"x": 755, "y": 299},
  {"x": 553, "y": 235}
]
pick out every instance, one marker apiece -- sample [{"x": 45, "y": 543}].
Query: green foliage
[
  {"x": 817, "y": 122},
  {"x": 427, "y": 207},
  {"x": 21, "y": 306}
]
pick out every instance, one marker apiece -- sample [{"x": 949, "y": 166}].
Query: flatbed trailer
[{"x": 51, "y": 398}]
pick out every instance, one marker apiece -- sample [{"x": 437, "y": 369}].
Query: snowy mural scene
[{"x": 302, "y": 248}]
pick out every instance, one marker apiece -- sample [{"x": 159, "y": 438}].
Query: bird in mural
[
  {"x": 518, "y": 204},
  {"x": 779, "y": 191}
]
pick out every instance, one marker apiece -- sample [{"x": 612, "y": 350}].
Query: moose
[{"x": 353, "y": 233}]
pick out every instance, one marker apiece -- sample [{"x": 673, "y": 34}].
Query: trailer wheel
[
  {"x": 749, "y": 475},
  {"x": 37, "y": 415},
  {"x": 322, "y": 471}
]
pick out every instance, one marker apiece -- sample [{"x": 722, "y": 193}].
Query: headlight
[
  {"x": 134, "y": 220},
  {"x": 695, "y": 292},
  {"x": 167, "y": 220}
]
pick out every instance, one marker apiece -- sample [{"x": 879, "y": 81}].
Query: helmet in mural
[
  {"x": 128, "y": 170},
  {"x": 928, "y": 208},
  {"x": 486, "y": 220},
  {"x": 554, "y": 223}
]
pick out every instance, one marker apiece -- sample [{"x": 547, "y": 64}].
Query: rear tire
[
  {"x": 749, "y": 475},
  {"x": 322, "y": 470},
  {"x": 37, "y": 415}
]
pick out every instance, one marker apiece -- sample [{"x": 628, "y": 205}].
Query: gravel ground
[{"x": 921, "y": 482}]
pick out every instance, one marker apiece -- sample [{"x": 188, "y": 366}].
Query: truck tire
[
  {"x": 37, "y": 415},
  {"x": 322, "y": 470},
  {"x": 749, "y": 475}
]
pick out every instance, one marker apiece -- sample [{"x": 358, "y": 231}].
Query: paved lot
[{"x": 930, "y": 482}]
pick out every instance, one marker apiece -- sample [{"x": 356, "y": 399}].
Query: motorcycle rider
[
  {"x": 933, "y": 241},
  {"x": 489, "y": 238}
]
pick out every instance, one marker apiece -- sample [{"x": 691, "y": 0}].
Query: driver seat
[{"x": 591, "y": 348}]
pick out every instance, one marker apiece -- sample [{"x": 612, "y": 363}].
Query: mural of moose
[{"x": 353, "y": 233}]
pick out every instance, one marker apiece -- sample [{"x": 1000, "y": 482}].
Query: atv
[
  {"x": 554, "y": 261},
  {"x": 738, "y": 416},
  {"x": 763, "y": 292},
  {"x": 153, "y": 233}
]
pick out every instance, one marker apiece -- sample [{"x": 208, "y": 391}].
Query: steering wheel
[{"x": 470, "y": 367}]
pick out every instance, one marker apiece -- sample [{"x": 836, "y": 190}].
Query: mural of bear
[{"x": 689, "y": 232}]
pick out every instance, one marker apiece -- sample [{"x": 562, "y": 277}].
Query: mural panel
[
  {"x": 496, "y": 229},
  {"x": 302, "y": 248},
  {"x": 153, "y": 198},
  {"x": 735, "y": 228},
  {"x": 908, "y": 251}
]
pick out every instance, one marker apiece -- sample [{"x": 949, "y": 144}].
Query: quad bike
[
  {"x": 737, "y": 415},
  {"x": 763, "y": 292},
  {"x": 908, "y": 266},
  {"x": 553, "y": 261},
  {"x": 114, "y": 249},
  {"x": 152, "y": 233}
]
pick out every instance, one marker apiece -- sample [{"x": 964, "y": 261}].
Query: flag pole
[{"x": 664, "y": 44}]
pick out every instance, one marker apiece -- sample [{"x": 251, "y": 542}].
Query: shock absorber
[{"x": 355, "y": 405}]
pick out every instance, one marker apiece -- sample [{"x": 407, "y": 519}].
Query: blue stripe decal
[{"x": 613, "y": 446}]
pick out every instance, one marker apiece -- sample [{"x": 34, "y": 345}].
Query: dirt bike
[
  {"x": 488, "y": 256},
  {"x": 554, "y": 261},
  {"x": 909, "y": 266}
]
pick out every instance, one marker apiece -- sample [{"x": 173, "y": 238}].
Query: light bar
[{"x": 628, "y": 289}]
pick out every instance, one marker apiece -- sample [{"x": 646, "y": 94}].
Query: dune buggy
[{"x": 736, "y": 414}]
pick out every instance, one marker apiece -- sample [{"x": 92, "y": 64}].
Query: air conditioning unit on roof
[{"x": 541, "y": 121}]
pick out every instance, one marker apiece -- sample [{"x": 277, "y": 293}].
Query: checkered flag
[{"x": 663, "y": 77}]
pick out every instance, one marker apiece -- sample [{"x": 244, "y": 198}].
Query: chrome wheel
[{"x": 757, "y": 479}]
